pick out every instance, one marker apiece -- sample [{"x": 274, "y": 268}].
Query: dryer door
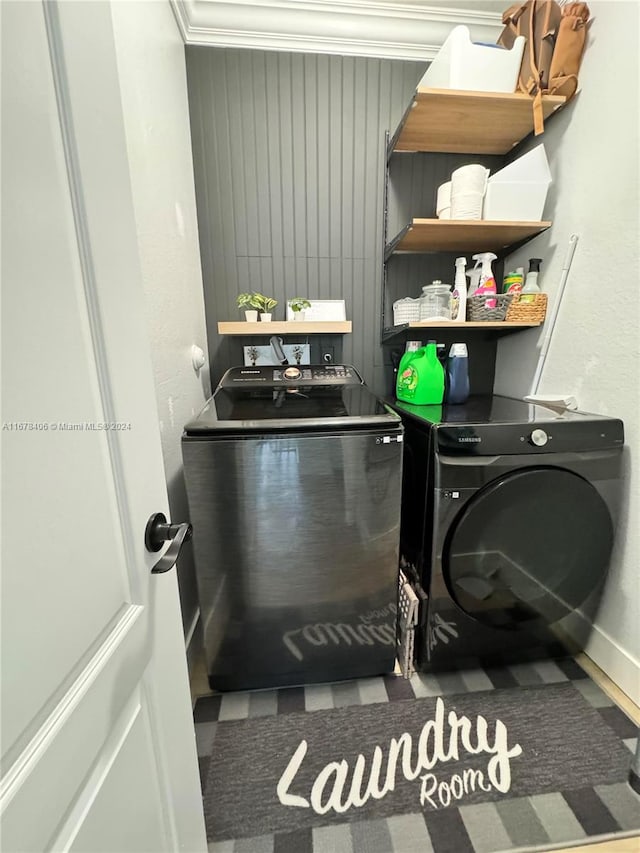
[{"x": 530, "y": 546}]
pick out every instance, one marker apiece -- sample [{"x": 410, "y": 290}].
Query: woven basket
[
  {"x": 532, "y": 311},
  {"x": 477, "y": 307},
  {"x": 406, "y": 310}
]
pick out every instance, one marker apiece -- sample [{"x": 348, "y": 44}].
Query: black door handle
[{"x": 157, "y": 532}]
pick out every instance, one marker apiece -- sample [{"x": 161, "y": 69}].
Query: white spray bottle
[
  {"x": 474, "y": 279},
  {"x": 487, "y": 283},
  {"x": 459, "y": 301}
]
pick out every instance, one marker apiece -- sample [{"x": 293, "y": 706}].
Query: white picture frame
[
  {"x": 322, "y": 310},
  {"x": 295, "y": 353}
]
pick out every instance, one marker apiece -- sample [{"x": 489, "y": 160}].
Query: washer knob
[
  {"x": 539, "y": 438},
  {"x": 292, "y": 373}
]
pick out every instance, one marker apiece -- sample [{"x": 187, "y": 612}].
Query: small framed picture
[
  {"x": 295, "y": 353},
  {"x": 322, "y": 309}
]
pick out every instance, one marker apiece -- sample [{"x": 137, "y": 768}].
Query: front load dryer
[{"x": 508, "y": 520}]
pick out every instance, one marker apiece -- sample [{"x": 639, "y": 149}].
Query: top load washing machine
[
  {"x": 508, "y": 517},
  {"x": 293, "y": 479}
]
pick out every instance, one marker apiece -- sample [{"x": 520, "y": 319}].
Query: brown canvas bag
[
  {"x": 569, "y": 49},
  {"x": 556, "y": 38},
  {"x": 538, "y": 21}
]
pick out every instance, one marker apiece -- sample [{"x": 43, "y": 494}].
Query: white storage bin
[
  {"x": 518, "y": 192},
  {"x": 460, "y": 64},
  {"x": 406, "y": 310}
]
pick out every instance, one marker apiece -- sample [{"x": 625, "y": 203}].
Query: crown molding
[{"x": 377, "y": 28}]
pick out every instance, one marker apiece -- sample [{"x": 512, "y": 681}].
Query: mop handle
[{"x": 551, "y": 322}]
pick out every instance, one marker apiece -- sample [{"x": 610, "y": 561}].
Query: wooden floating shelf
[
  {"x": 457, "y": 122},
  {"x": 503, "y": 327},
  {"x": 287, "y": 327},
  {"x": 462, "y": 235},
  {"x": 449, "y": 324}
]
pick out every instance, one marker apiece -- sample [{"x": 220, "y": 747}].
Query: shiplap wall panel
[
  {"x": 415, "y": 177},
  {"x": 289, "y": 171}
]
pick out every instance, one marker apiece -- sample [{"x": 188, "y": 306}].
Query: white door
[{"x": 98, "y": 750}]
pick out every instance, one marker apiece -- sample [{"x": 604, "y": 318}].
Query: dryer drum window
[{"x": 530, "y": 546}]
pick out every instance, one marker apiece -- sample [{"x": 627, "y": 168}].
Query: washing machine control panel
[
  {"x": 268, "y": 376},
  {"x": 332, "y": 374},
  {"x": 539, "y": 438}
]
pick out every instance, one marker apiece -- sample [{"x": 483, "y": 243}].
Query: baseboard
[{"x": 621, "y": 667}]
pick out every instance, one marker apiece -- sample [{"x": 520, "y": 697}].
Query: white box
[
  {"x": 322, "y": 310},
  {"x": 518, "y": 192},
  {"x": 461, "y": 64}
]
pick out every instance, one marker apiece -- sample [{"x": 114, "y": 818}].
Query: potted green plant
[
  {"x": 299, "y": 305},
  {"x": 265, "y": 305},
  {"x": 249, "y": 302}
]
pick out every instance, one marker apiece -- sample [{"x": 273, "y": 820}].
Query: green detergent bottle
[{"x": 421, "y": 377}]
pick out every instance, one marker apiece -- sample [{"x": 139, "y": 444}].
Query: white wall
[
  {"x": 154, "y": 94},
  {"x": 593, "y": 148}
]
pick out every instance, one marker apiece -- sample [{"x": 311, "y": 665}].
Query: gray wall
[
  {"x": 289, "y": 173},
  {"x": 413, "y": 182}
]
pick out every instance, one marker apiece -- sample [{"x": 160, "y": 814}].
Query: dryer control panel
[{"x": 560, "y": 436}]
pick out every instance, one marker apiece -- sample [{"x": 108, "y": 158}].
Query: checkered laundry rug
[{"x": 552, "y": 772}]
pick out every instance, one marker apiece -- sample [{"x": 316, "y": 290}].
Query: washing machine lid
[
  {"x": 292, "y": 397},
  {"x": 496, "y": 425}
]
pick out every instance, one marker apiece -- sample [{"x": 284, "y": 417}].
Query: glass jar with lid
[{"x": 435, "y": 302}]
